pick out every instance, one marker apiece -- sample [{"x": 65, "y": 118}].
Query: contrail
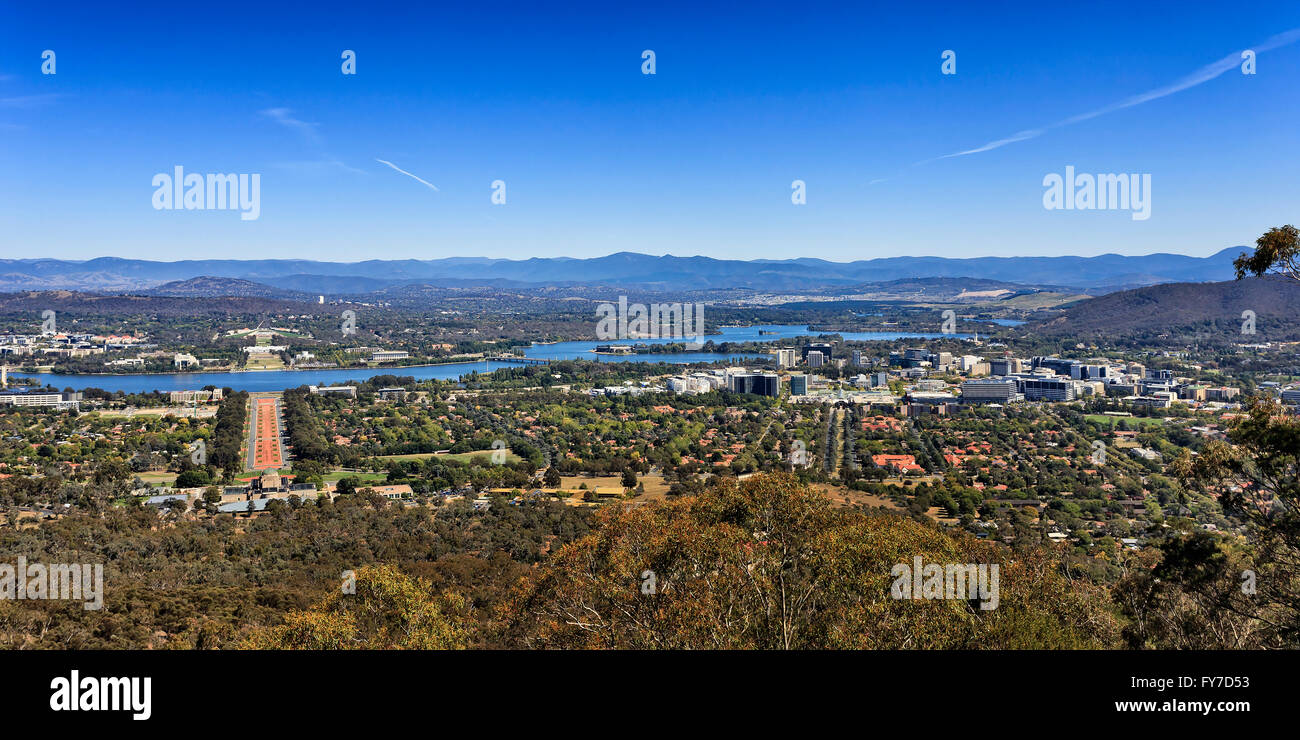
[
  {"x": 1200, "y": 76},
  {"x": 284, "y": 117},
  {"x": 404, "y": 172}
]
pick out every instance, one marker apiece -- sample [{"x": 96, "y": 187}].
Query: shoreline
[{"x": 25, "y": 373}]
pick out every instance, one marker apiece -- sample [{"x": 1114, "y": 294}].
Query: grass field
[
  {"x": 264, "y": 362},
  {"x": 364, "y": 477},
  {"x": 574, "y": 482},
  {"x": 157, "y": 477}
]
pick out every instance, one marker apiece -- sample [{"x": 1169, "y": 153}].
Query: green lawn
[{"x": 364, "y": 477}]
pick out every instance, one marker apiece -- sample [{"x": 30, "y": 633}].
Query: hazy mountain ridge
[
  {"x": 207, "y": 286},
  {"x": 34, "y": 302},
  {"x": 623, "y": 268}
]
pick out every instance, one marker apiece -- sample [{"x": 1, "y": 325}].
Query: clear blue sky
[{"x": 599, "y": 158}]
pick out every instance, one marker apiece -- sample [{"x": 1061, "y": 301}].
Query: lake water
[{"x": 278, "y": 380}]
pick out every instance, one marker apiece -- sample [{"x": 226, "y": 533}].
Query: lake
[{"x": 278, "y": 380}]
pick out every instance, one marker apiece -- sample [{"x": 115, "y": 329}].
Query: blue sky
[{"x": 599, "y": 158}]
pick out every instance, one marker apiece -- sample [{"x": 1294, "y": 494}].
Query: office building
[
  {"x": 55, "y": 399},
  {"x": 822, "y": 347},
  {"x": 194, "y": 396},
  {"x": 798, "y": 385},
  {"x": 1223, "y": 395},
  {"x": 1047, "y": 389},
  {"x": 1087, "y": 372},
  {"x": 388, "y": 356},
  {"x": 1155, "y": 401},
  {"x": 348, "y": 391},
  {"x": 989, "y": 390},
  {"x": 1057, "y": 365},
  {"x": 759, "y": 384},
  {"x": 1006, "y": 366}
]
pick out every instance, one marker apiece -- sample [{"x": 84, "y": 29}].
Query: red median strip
[{"x": 267, "y": 452}]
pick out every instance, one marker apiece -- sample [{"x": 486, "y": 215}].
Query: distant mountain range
[{"x": 286, "y": 277}]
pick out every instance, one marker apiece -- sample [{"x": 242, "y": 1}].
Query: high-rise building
[
  {"x": 760, "y": 384},
  {"x": 1006, "y": 366},
  {"x": 857, "y": 357},
  {"x": 814, "y": 359},
  {"x": 1087, "y": 372},
  {"x": 786, "y": 357},
  {"x": 822, "y": 347},
  {"x": 798, "y": 385}
]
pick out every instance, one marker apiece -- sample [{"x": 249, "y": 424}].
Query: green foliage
[
  {"x": 386, "y": 610},
  {"x": 767, "y": 563},
  {"x": 1277, "y": 252}
]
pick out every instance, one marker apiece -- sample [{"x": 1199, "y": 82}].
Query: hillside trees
[
  {"x": 228, "y": 434},
  {"x": 767, "y": 563},
  {"x": 387, "y": 610},
  {"x": 1256, "y": 475}
]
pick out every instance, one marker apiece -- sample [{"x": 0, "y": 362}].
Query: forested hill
[{"x": 1180, "y": 306}]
